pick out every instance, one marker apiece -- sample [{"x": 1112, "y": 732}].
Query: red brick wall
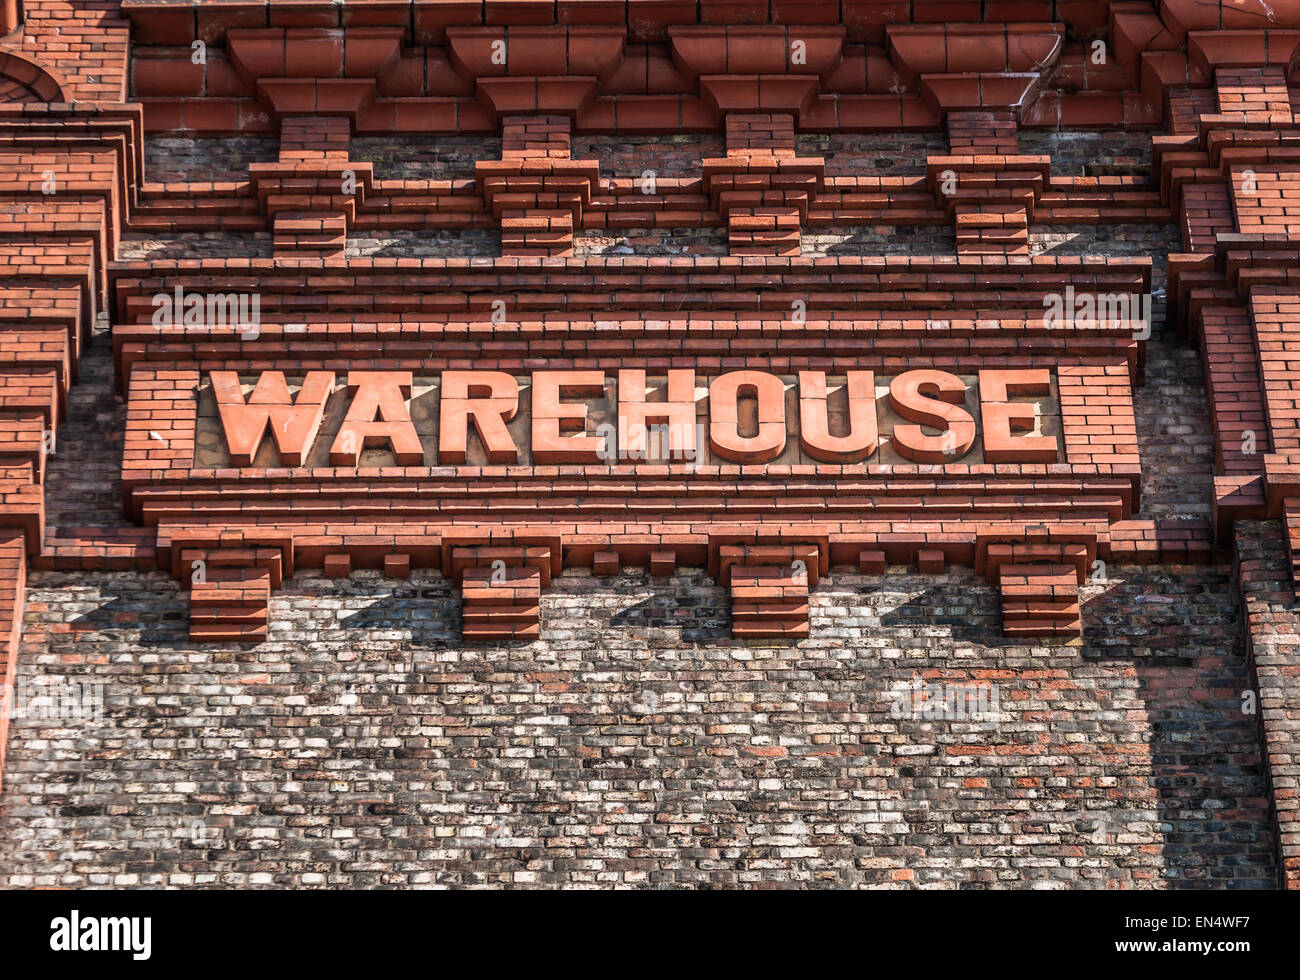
[{"x": 521, "y": 187}]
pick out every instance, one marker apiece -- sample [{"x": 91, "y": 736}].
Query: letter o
[{"x": 725, "y": 440}]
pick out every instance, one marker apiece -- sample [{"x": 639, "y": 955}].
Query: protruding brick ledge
[
  {"x": 1039, "y": 577},
  {"x": 536, "y": 190},
  {"x": 761, "y": 189},
  {"x": 1039, "y": 600},
  {"x": 230, "y": 605},
  {"x": 502, "y": 590},
  {"x": 311, "y": 194},
  {"x": 230, "y": 575},
  {"x": 230, "y": 592},
  {"x": 988, "y": 187},
  {"x": 769, "y": 588}
]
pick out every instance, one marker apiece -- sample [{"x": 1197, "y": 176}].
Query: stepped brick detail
[
  {"x": 230, "y": 605},
  {"x": 1039, "y": 600},
  {"x": 1039, "y": 580},
  {"x": 501, "y": 589},
  {"x": 986, "y": 185},
  {"x": 310, "y": 196},
  {"x": 230, "y": 591},
  {"x": 761, "y": 188},
  {"x": 536, "y": 190},
  {"x": 769, "y": 588}
]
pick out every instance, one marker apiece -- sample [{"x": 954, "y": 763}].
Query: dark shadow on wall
[
  {"x": 153, "y": 611},
  {"x": 698, "y": 619},
  {"x": 1187, "y": 775},
  {"x": 405, "y": 244},
  {"x": 1180, "y": 636},
  {"x": 890, "y": 239},
  {"x": 951, "y": 608},
  {"x": 427, "y": 610},
  {"x": 134, "y": 613},
  {"x": 431, "y": 615}
]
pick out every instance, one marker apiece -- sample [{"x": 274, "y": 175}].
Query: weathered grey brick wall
[
  {"x": 636, "y": 743},
  {"x": 631, "y": 155},
  {"x": 1106, "y": 153},
  {"x": 422, "y": 243},
  {"x": 183, "y": 159},
  {"x": 872, "y": 154},
  {"x": 652, "y": 241},
  {"x": 878, "y": 240},
  {"x": 424, "y": 157}
]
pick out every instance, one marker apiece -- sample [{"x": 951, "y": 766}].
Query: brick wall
[
  {"x": 189, "y": 159},
  {"x": 194, "y": 245},
  {"x": 653, "y": 241},
  {"x": 1091, "y": 154},
  {"x": 673, "y": 156},
  {"x": 84, "y": 473},
  {"x": 877, "y": 240},
  {"x": 924, "y": 190},
  {"x": 1264, "y": 569},
  {"x": 424, "y": 157},
  {"x": 416, "y": 244},
  {"x": 636, "y": 743},
  {"x": 874, "y": 155}
]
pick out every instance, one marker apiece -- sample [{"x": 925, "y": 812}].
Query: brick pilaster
[
  {"x": 1271, "y": 620},
  {"x": 13, "y": 580}
]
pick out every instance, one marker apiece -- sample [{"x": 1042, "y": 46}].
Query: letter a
[{"x": 377, "y": 416}]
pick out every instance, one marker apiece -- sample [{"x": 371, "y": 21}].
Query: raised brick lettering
[
  {"x": 665, "y": 429},
  {"x": 931, "y": 398},
  {"x": 725, "y": 439},
  {"x": 293, "y": 422},
  {"x": 555, "y": 421},
  {"x": 862, "y": 436},
  {"x": 488, "y": 399},
  {"x": 1003, "y": 422},
  {"x": 378, "y": 417}
]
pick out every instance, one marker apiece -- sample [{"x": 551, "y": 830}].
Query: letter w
[{"x": 294, "y": 424}]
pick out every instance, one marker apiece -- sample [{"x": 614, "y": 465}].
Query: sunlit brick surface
[
  {"x": 637, "y": 743},
  {"x": 329, "y": 338}
]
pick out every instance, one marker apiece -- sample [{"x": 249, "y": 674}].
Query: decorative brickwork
[{"x": 631, "y": 336}]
